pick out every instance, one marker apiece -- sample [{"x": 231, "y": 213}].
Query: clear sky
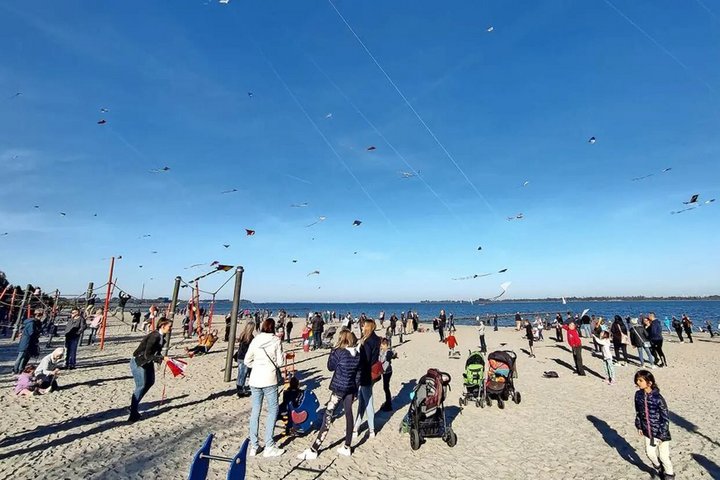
[{"x": 503, "y": 107}]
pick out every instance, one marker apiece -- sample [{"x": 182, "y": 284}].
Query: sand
[{"x": 566, "y": 428}]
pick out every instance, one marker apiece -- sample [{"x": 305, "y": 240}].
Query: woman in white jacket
[{"x": 264, "y": 357}]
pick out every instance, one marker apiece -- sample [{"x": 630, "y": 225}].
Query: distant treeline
[{"x": 637, "y": 298}]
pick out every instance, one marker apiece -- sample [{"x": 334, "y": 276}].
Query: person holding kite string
[{"x": 142, "y": 364}]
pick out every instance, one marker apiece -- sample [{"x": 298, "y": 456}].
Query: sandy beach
[{"x": 566, "y": 428}]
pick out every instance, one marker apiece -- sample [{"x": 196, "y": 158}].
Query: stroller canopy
[{"x": 475, "y": 358}]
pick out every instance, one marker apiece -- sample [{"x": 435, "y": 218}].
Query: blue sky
[{"x": 513, "y": 105}]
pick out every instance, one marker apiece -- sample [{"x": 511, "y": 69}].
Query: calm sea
[{"x": 465, "y": 313}]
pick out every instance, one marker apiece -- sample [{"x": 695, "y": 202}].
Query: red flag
[{"x": 177, "y": 367}]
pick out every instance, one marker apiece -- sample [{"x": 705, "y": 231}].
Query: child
[
  {"x": 289, "y": 402},
  {"x": 530, "y": 337},
  {"x": 388, "y": 336},
  {"x": 135, "y": 320},
  {"x": 386, "y": 356},
  {"x": 26, "y": 382},
  {"x": 344, "y": 362},
  {"x": 653, "y": 423},
  {"x": 604, "y": 341},
  {"x": 451, "y": 343}
]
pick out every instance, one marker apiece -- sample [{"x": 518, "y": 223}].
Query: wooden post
[
  {"x": 233, "y": 323},
  {"x": 107, "y": 304},
  {"x": 171, "y": 313},
  {"x": 88, "y": 294},
  {"x": 18, "y": 322},
  {"x": 197, "y": 305},
  {"x": 212, "y": 310},
  {"x": 12, "y": 305}
]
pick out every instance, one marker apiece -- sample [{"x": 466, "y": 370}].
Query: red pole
[
  {"x": 197, "y": 305},
  {"x": 107, "y": 304},
  {"x": 12, "y": 304}
]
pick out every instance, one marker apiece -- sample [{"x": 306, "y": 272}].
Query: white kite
[
  {"x": 320, "y": 219},
  {"x": 504, "y": 286}
]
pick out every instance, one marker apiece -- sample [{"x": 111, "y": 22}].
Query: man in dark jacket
[
  {"x": 73, "y": 331},
  {"x": 29, "y": 345},
  {"x": 369, "y": 356},
  {"x": 142, "y": 367},
  {"x": 318, "y": 325}
]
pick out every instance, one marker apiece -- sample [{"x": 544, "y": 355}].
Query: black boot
[{"x": 134, "y": 413}]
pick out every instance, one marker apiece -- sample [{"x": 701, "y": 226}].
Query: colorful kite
[{"x": 249, "y": 232}]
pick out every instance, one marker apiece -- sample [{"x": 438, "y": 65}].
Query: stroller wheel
[
  {"x": 501, "y": 403},
  {"x": 463, "y": 401},
  {"x": 480, "y": 403},
  {"x": 516, "y": 398},
  {"x": 488, "y": 401},
  {"x": 505, "y": 395},
  {"x": 414, "y": 439},
  {"x": 451, "y": 439}
]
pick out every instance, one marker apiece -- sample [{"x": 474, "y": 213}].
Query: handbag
[
  {"x": 279, "y": 379},
  {"x": 376, "y": 371},
  {"x": 624, "y": 339}
]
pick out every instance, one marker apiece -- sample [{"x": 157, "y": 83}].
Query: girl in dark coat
[
  {"x": 619, "y": 332},
  {"x": 344, "y": 362},
  {"x": 653, "y": 423}
]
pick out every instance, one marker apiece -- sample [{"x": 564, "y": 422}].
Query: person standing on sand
[
  {"x": 619, "y": 339},
  {"x": 687, "y": 326},
  {"x": 481, "y": 334},
  {"x": 654, "y": 331},
  {"x": 530, "y": 337},
  {"x": 29, "y": 345},
  {"x": 243, "y": 343},
  {"x": 518, "y": 321},
  {"x": 442, "y": 321},
  {"x": 639, "y": 340},
  {"x": 369, "y": 356},
  {"x": 288, "y": 329},
  {"x": 573, "y": 339},
  {"x": 652, "y": 421},
  {"x": 677, "y": 326},
  {"x": 603, "y": 339},
  {"x": 73, "y": 331},
  {"x": 264, "y": 357},
  {"x": 558, "y": 328},
  {"x": 142, "y": 365},
  {"x": 709, "y": 328}
]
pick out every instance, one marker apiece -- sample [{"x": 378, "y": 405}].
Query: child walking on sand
[
  {"x": 451, "y": 343},
  {"x": 604, "y": 341},
  {"x": 386, "y": 356},
  {"x": 653, "y": 423}
]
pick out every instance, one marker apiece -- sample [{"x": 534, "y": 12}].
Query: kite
[
  {"x": 356, "y": 223},
  {"x": 145, "y": 236},
  {"x": 490, "y": 28},
  {"x": 504, "y": 286},
  {"x": 140, "y": 266},
  {"x": 160, "y": 170},
  {"x": 119, "y": 257},
  {"x": 354, "y": 253},
  {"x": 480, "y": 275},
  {"x": 314, "y": 272},
  {"x": 592, "y": 141},
  {"x": 480, "y": 248},
  {"x": 584, "y": 312},
  {"x": 674, "y": 212},
  {"x": 320, "y": 219},
  {"x": 371, "y": 148},
  {"x": 102, "y": 122},
  {"x": 194, "y": 266},
  {"x": 230, "y": 191},
  {"x": 214, "y": 263},
  {"x": 299, "y": 205},
  {"x": 226, "y": 245},
  {"x": 37, "y": 206},
  {"x": 16, "y": 95},
  {"x": 104, "y": 110},
  {"x": 526, "y": 183},
  {"x": 294, "y": 261},
  {"x": 154, "y": 251},
  {"x": 693, "y": 199},
  {"x": 650, "y": 175},
  {"x": 4, "y": 234},
  {"x": 218, "y": 268},
  {"x": 329, "y": 115},
  {"x": 63, "y": 213},
  {"x": 175, "y": 365},
  {"x": 94, "y": 214},
  {"x": 249, "y": 232},
  {"x": 250, "y": 94},
  {"x": 519, "y": 216},
  {"x": 408, "y": 174}
]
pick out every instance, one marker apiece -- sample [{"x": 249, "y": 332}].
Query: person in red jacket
[{"x": 573, "y": 339}]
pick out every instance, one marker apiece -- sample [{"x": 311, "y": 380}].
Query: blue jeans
[
  {"x": 144, "y": 379},
  {"x": 242, "y": 374},
  {"x": 651, "y": 359},
  {"x": 365, "y": 405},
  {"x": 22, "y": 360},
  {"x": 71, "y": 344},
  {"x": 257, "y": 394},
  {"x": 317, "y": 339},
  {"x": 585, "y": 330}
]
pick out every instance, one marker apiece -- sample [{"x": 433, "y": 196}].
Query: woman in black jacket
[
  {"x": 142, "y": 367},
  {"x": 619, "y": 333}
]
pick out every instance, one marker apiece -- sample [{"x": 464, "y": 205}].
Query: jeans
[
  {"x": 22, "y": 360},
  {"x": 659, "y": 454},
  {"x": 335, "y": 400},
  {"x": 650, "y": 357},
  {"x": 242, "y": 374},
  {"x": 365, "y": 405},
  {"x": 271, "y": 394},
  {"x": 71, "y": 345},
  {"x": 585, "y": 330},
  {"x": 144, "y": 379},
  {"x": 317, "y": 339}
]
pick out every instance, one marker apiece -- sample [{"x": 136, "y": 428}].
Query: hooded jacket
[
  {"x": 651, "y": 415},
  {"x": 638, "y": 336},
  {"x": 264, "y": 356},
  {"x": 345, "y": 365}
]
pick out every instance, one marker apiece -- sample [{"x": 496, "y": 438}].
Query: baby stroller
[
  {"x": 328, "y": 336},
  {"x": 426, "y": 416},
  {"x": 474, "y": 380},
  {"x": 499, "y": 383}
]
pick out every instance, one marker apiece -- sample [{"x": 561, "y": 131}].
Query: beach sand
[{"x": 566, "y": 428}]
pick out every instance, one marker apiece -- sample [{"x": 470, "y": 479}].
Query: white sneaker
[
  {"x": 372, "y": 435},
  {"x": 307, "y": 455},
  {"x": 253, "y": 451},
  {"x": 654, "y": 367},
  {"x": 355, "y": 436},
  {"x": 345, "y": 451},
  {"x": 272, "y": 451}
]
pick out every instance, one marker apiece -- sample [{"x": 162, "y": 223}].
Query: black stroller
[
  {"x": 502, "y": 370},
  {"x": 426, "y": 416}
]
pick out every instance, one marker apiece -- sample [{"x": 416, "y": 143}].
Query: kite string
[
  {"x": 407, "y": 102},
  {"x": 660, "y": 46},
  {"x": 325, "y": 139},
  {"x": 380, "y": 134}
]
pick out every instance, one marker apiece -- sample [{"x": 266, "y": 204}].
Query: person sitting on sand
[
  {"x": 289, "y": 402},
  {"x": 26, "y": 384},
  {"x": 142, "y": 364},
  {"x": 48, "y": 369},
  {"x": 344, "y": 362}
]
